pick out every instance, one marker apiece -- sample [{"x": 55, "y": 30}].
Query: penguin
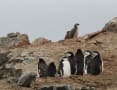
[
  {"x": 42, "y": 68},
  {"x": 79, "y": 56},
  {"x": 51, "y": 69},
  {"x": 74, "y": 30},
  {"x": 60, "y": 68},
  {"x": 93, "y": 63},
  {"x": 72, "y": 61},
  {"x": 87, "y": 61},
  {"x": 64, "y": 67},
  {"x": 97, "y": 63}
]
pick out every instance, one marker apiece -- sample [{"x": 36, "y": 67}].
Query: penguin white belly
[{"x": 66, "y": 68}]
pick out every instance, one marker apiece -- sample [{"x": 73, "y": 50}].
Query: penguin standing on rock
[
  {"x": 42, "y": 68},
  {"x": 87, "y": 61},
  {"x": 64, "y": 67},
  {"x": 93, "y": 63},
  {"x": 97, "y": 63},
  {"x": 79, "y": 56},
  {"x": 72, "y": 61},
  {"x": 51, "y": 69}
]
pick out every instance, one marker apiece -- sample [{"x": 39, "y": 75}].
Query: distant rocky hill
[{"x": 26, "y": 58}]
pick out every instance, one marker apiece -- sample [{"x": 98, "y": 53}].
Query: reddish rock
[{"x": 23, "y": 41}]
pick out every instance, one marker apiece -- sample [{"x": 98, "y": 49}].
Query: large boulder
[
  {"x": 26, "y": 79},
  {"x": 14, "y": 40},
  {"x": 73, "y": 33},
  {"x": 111, "y": 26}
]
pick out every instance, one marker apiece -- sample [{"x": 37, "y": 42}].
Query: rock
[
  {"x": 83, "y": 88},
  {"x": 11, "y": 35},
  {"x": 55, "y": 88},
  {"x": 47, "y": 88},
  {"x": 28, "y": 60},
  {"x": 40, "y": 41},
  {"x": 16, "y": 74},
  {"x": 111, "y": 26},
  {"x": 26, "y": 57},
  {"x": 26, "y": 53},
  {"x": 10, "y": 55},
  {"x": 26, "y": 79},
  {"x": 64, "y": 88},
  {"x": 13, "y": 40},
  {"x": 73, "y": 33},
  {"x": 3, "y": 58},
  {"x": 87, "y": 88},
  {"x": 10, "y": 74}
]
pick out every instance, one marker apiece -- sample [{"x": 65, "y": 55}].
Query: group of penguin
[{"x": 78, "y": 64}]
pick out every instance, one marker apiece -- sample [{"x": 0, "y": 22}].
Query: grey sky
[{"x": 52, "y": 18}]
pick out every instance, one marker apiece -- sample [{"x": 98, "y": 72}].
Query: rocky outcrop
[
  {"x": 73, "y": 33},
  {"x": 111, "y": 26},
  {"x": 40, "y": 41},
  {"x": 13, "y": 40}
]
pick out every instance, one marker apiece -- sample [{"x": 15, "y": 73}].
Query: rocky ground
[{"x": 26, "y": 57}]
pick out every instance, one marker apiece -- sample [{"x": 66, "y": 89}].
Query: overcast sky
[{"x": 52, "y": 18}]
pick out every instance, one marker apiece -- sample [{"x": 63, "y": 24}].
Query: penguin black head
[
  {"x": 69, "y": 54},
  {"x": 79, "y": 54},
  {"x": 52, "y": 64},
  {"x": 79, "y": 51},
  {"x": 77, "y": 24},
  {"x": 41, "y": 60}
]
